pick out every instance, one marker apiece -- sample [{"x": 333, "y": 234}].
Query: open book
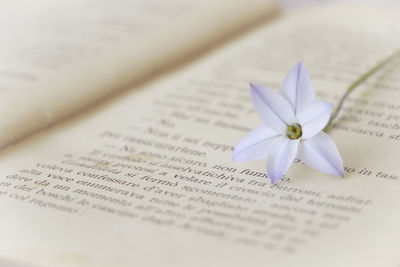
[{"x": 118, "y": 121}]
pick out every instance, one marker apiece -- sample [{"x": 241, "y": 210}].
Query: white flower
[{"x": 293, "y": 123}]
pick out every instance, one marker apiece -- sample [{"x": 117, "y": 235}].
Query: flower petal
[
  {"x": 297, "y": 88},
  {"x": 254, "y": 145},
  {"x": 320, "y": 153},
  {"x": 314, "y": 117},
  {"x": 283, "y": 151},
  {"x": 272, "y": 108}
]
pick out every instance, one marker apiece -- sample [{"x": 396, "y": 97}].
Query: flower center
[{"x": 294, "y": 131}]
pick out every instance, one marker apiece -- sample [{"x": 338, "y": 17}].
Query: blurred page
[
  {"x": 147, "y": 179},
  {"x": 57, "y": 57}
]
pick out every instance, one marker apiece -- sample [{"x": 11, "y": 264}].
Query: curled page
[{"x": 59, "y": 57}]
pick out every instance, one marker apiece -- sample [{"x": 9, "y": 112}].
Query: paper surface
[
  {"x": 57, "y": 57},
  {"x": 147, "y": 179}
]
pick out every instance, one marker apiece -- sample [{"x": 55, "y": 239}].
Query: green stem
[{"x": 356, "y": 83}]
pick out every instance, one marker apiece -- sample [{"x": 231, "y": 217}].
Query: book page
[
  {"x": 57, "y": 57},
  {"x": 147, "y": 179}
]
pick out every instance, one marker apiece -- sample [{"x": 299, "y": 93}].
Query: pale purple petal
[
  {"x": 283, "y": 151},
  {"x": 297, "y": 88},
  {"x": 254, "y": 145},
  {"x": 320, "y": 153},
  {"x": 314, "y": 117},
  {"x": 272, "y": 108}
]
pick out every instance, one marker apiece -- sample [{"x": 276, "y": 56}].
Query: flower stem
[{"x": 356, "y": 83}]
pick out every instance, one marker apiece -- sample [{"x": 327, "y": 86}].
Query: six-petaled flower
[{"x": 293, "y": 127}]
